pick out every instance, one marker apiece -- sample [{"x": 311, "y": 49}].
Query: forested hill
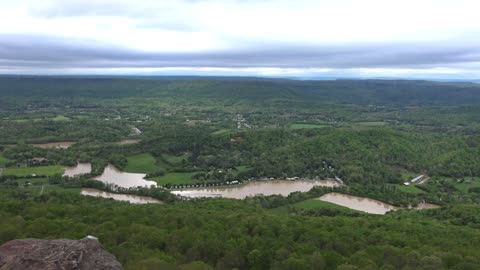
[{"x": 379, "y": 92}]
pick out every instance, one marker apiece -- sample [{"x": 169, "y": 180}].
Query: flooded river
[
  {"x": 278, "y": 187},
  {"x": 57, "y": 145},
  {"x": 118, "y": 197},
  {"x": 358, "y": 203},
  {"x": 79, "y": 169},
  {"x": 366, "y": 204},
  {"x": 112, "y": 175}
]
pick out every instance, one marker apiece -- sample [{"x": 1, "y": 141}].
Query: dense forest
[
  {"x": 228, "y": 234},
  {"x": 373, "y": 136}
]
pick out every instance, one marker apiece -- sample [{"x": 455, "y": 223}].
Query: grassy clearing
[
  {"x": 38, "y": 170},
  {"x": 58, "y": 118},
  {"x": 142, "y": 163},
  {"x": 242, "y": 168},
  {"x": 470, "y": 182},
  {"x": 35, "y": 190},
  {"x": 176, "y": 159},
  {"x": 412, "y": 189},
  {"x": 175, "y": 178},
  {"x": 220, "y": 132},
  {"x": 370, "y": 124},
  {"x": 26, "y": 120},
  {"x": 33, "y": 181},
  {"x": 302, "y": 126}
]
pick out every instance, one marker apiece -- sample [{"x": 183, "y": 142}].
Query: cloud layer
[{"x": 432, "y": 39}]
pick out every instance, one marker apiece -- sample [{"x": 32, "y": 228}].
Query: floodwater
[
  {"x": 358, "y": 203},
  {"x": 118, "y": 197},
  {"x": 57, "y": 145},
  {"x": 274, "y": 187},
  {"x": 366, "y": 204},
  {"x": 112, "y": 175},
  {"x": 80, "y": 168},
  {"x": 126, "y": 142}
]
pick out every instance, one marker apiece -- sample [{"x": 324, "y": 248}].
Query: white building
[{"x": 418, "y": 178}]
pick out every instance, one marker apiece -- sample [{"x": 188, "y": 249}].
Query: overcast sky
[{"x": 294, "y": 38}]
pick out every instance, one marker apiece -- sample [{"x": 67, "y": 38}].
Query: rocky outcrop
[{"x": 36, "y": 254}]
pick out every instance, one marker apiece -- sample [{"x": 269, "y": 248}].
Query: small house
[{"x": 38, "y": 161}]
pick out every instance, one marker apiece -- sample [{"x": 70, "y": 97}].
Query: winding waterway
[
  {"x": 118, "y": 197},
  {"x": 274, "y": 187},
  {"x": 366, "y": 204}
]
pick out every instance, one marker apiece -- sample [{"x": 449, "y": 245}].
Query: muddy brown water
[
  {"x": 79, "y": 169},
  {"x": 112, "y": 175},
  {"x": 57, "y": 145},
  {"x": 135, "y": 199},
  {"x": 273, "y": 187},
  {"x": 366, "y": 204}
]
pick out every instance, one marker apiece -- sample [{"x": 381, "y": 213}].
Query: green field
[
  {"x": 302, "y": 126},
  {"x": 470, "y": 182},
  {"x": 176, "y": 159},
  {"x": 33, "y": 181},
  {"x": 36, "y": 190},
  {"x": 142, "y": 163},
  {"x": 174, "y": 178},
  {"x": 58, "y": 118},
  {"x": 242, "y": 168},
  {"x": 26, "y": 120},
  {"x": 39, "y": 170},
  {"x": 407, "y": 176},
  {"x": 369, "y": 124},
  {"x": 412, "y": 189},
  {"x": 220, "y": 132}
]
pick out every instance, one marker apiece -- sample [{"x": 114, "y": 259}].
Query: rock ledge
[{"x": 65, "y": 254}]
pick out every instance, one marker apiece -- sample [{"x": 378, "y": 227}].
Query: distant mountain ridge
[{"x": 380, "y": 92}]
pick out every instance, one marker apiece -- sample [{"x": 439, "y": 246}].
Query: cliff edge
[{"x": 65, "y": 254}]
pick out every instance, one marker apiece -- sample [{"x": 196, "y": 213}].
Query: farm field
[
  {"x": 175, "y": 179},
  {"x": 37, "y": 170},
  {"x": 307, "y": 126},
  {"x": 141, "y": 163}
]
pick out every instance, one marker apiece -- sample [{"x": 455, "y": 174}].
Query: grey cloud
[
  {"x": 150, "y": 14},
  {"x": 33, "y": 51},
  {"x": 149, "y": 8},
  {"x": 77, "y": 8}
]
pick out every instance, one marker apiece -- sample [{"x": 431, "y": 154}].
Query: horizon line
[{"x": 295, "y": 78}]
